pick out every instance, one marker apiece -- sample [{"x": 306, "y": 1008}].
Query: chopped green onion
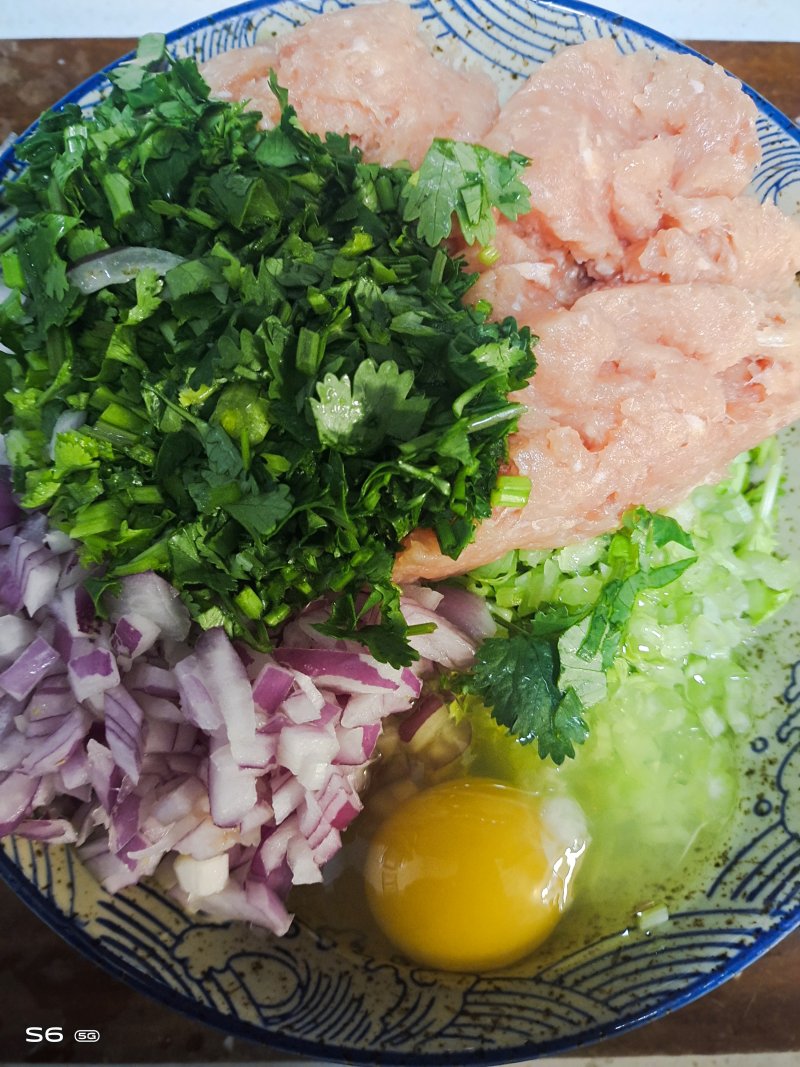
[
  {"x": 654, "y": 915},
  {"x": 118, "y": 193},
  {"x": 309, "y": 351},
  {"x": 511, "y": 491},
  {"x": 488, "y": 256},
  {"x": 249, "y": 602}
]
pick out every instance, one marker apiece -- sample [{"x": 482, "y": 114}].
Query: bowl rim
[{"x": 92, "y": 948}]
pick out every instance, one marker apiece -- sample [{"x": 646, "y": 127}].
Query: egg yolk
[{"x": 472, "y": 874}]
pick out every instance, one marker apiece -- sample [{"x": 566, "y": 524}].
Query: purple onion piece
[
  {"x": 346, "y": 672},
  {"x": 271, "y": 687},
  {"x": 17, "y": 790},
  {"x": 149, "y": 596},
  {"x": 34, "y": 664},
  {"x": 123, "y": 721}
]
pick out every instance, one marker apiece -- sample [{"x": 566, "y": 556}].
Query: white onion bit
[{"x": 120, "y": 265}]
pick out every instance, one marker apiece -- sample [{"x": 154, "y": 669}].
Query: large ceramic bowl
[{"x": 319, "y": 992}]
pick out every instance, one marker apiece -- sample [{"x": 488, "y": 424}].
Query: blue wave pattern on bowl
[{"x": 318, "y": 992}]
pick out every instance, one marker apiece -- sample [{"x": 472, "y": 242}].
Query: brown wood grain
[
  {"x": 771, "y": 69},
  {"x": 45, "y": 982}
]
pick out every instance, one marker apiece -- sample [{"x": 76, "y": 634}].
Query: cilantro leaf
[
  {"x": 260, "y": 513},
  {"x": 630, "y": 552},
  {"x": 517, "y": 677},
  {"x": 467, "y": 181},
  {"x": 358, "y": 418}
]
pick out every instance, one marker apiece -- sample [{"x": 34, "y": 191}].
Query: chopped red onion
[
  {"x": 197, "y": 702},
  {"x": 53, "y": 831},
  {"x": 50, "y": 751},
  {"x": 286, "y": 798},
  {"x": 91, "y": 669},
  {"x": 307, "y": 751},
  {"x": 226, "y": 681},
  {"x": 29, "y": 668},
  {"x": 133, "y": 635},
  {"x": 40, "y": 584},
  {"x": 153, "y": 680},
  {"x": 240, "y": 769},
  {"x": 423, "y": 595},
  {"x": 16, "y": 634},
  {"x": 207, "y": 840},
  {"x": 338, "y": 671},
  {"x": 466, "y": 611},
  {"x": 74, "y": 774},
  {"x": 123, "y": 721},
  {"x": 272, "y": 686},
  {"x": 200, "y": 878},
  {"x": 409, "y": 726},
  {"x": 357, "y": 744},
  {"x": 17, "y": 790},
  {"x": 125, "y": 822},
  {"x": 74, "y": 608},
  {"x": 446, "y": 644}
]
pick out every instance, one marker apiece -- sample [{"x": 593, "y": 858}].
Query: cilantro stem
[
  {"x": 244, "y": 448},
  {"x": 386, "y": 193},
  {"x": 505, "y": 414},
  {"x": 437, "y": 269},
  {"x": 122, "y": 418},
  {"x": 426, "y": 476},
  {"x": 279, "y": 615},
  {"x": 199, "y": 424},
  {"x": 97, "y": 518}
]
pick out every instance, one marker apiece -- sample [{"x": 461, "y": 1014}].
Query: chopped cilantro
[{"x": 268, "y": 419}]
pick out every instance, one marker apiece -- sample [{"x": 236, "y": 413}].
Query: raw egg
[{"x": 473, "y": 874}]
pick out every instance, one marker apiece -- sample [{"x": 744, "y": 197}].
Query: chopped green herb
[
  {"x": 517, "y": 676},
  {"x": 266, "y": 420},
  {"x": 468, "y": 181}
]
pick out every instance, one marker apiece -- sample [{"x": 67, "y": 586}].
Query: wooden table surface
[{"x": 44, "y": 982}]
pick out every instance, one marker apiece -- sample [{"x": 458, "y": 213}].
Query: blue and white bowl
[{"x": 318, "y": 992}]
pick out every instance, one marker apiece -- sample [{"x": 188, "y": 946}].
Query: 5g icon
[{"x": 87, "y": 1035}]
